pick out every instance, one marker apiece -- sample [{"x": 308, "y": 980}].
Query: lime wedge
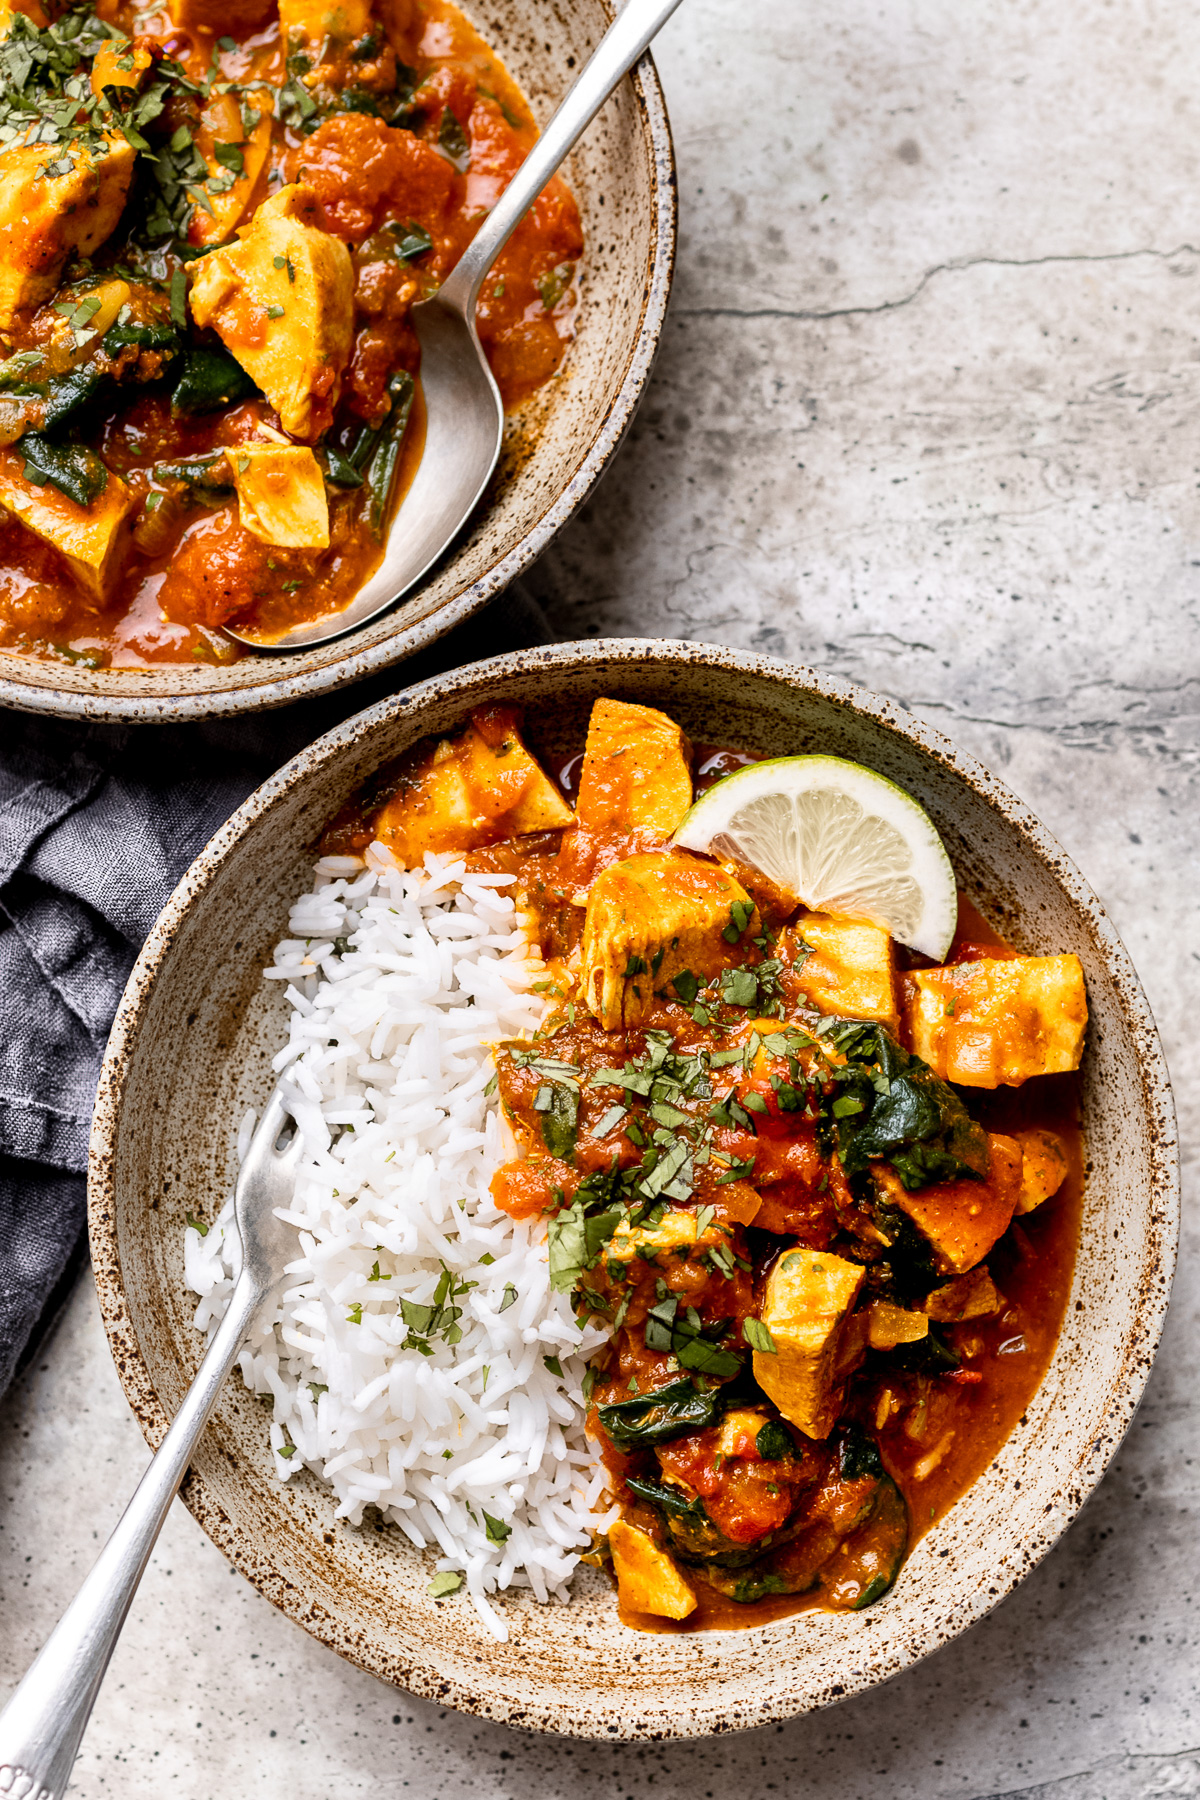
[{"x": 839, "y": 837}]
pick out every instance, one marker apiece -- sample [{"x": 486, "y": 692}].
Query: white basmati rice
[{"x": 476, "y": 1451}]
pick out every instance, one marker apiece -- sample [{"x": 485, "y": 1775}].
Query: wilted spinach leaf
[
  {"x": 668, "y": 1500},
  {"x": 73, "y": 469},
  {"x": 340, "y": 470},
  {"x": 157, "y": 334},
  {"x": 209, "y": 379},
  {"x": 756, "y": 1587},
  {"x": 774, "y": 1441},
  {"x": 453, "y": 141},
  {"x": 69, "y": 394},
  {"x": 905, "y": 1114},
  {"x": 665, "y": 1413},
  {"x": 210, "y": 473},
  {"x": 930, "y": 1355},
  {"x": 381, "y": 472},
  {"x": 858, "y": 1456}
]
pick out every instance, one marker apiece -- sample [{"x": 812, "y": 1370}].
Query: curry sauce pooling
[
  {"x": 824, "y": 1194},
  {"x": 215, "y": 217}
]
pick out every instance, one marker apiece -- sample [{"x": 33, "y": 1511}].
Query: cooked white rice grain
[{"x": 398, "y": 982}]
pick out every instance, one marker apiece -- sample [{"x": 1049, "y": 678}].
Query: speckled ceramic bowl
[
  {"x": 190, "y": 1050},
  {"x": 623, "y": 176}
]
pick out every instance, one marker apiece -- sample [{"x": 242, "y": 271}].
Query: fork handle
[
  {"x": 624, "y": 41},
  {"x": 41, "y": 1727}
]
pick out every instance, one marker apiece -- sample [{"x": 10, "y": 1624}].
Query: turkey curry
[
  {"x": 823, "y": 1194},
  {"x": 215, "y": 217}
]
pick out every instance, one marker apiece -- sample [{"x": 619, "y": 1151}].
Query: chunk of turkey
[
  {"x": 282, "y": 301},
  {"x": 44, "y": 217},
  {"x": 281, "y": 495}
]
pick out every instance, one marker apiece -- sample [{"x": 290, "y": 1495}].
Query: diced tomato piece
[
  {"x": 525, "y": 1189},
  {"x": 364, "y": 170}
]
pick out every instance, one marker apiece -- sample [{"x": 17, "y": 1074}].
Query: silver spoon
[
  {"x": 462, "y": 402},
  {"x": 41, "y": 1727}
]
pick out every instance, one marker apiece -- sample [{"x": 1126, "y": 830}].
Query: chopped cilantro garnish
[
  {"x": 739, "y": 987},
  {"x": 230, "y": 157},
  {"x": 758, "y": 1337},
  {"x": 427, "y": 1319},
  {"x": 740, "y": 915},
  {"x": 558, "y": 1104},
  {"x": 553, "y": 284},
  {"x": 497, "y": 1531},
  {"x": 412, "y": 239},
  {"x": 612, "y": 1118}
]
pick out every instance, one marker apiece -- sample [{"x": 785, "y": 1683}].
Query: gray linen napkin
[{"x": 97, "y": 824}]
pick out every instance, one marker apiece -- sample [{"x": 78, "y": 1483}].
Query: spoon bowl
[{"x": 463, "y": 436}]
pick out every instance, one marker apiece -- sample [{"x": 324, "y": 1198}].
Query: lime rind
[{"x": 840, "y": 837}]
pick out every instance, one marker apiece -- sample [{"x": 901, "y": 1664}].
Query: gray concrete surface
[{"x": 926, "y": 416}]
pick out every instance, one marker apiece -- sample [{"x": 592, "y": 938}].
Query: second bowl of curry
[{"x": 210, "y": 407}]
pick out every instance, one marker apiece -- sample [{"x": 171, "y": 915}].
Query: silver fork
[{"x": 41, "y": 1727}]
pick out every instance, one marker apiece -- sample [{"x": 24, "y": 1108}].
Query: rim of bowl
[
  {"x": 1165, "y": 1178},
  {"x": 260, "y": 696}
]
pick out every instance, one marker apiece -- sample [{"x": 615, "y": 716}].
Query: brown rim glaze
[
  {"x": 191, "y": 1045},
  {"x": 623, "y": 175}
]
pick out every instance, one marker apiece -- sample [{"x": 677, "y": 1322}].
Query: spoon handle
[
  {"x": 614, "y": 56},
  {"x": 41, "y": 1727}
]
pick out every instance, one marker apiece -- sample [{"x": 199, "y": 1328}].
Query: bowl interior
[
  {"x": 622, "y": 175},
  {"x": 191, "y": 1050}
]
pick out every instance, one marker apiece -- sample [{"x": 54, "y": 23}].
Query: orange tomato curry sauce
[
  {"x": 402, "y": 135},
  {"x": 705, "y": 1134}
]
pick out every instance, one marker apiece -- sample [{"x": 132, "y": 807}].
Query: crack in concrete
[
  {"x": 1147, "y": 737},
  {"x": 1175, "y": 1776},
  {"x": 945, "y": 268},
  {"x": 885, "y": 638},
  {"x": 1144, "y": 695}
]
